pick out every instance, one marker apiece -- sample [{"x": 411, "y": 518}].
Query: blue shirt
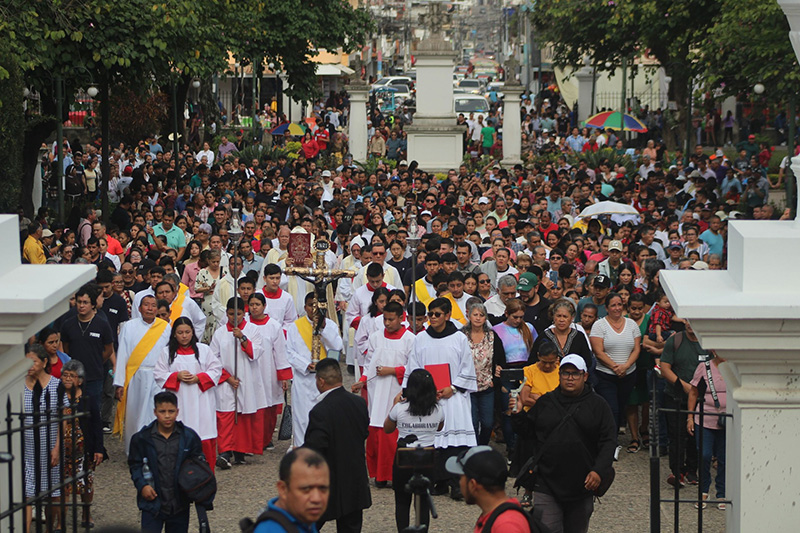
[
  {"x": 268, "y": 526},
  {"x": 715, "y": 242}
]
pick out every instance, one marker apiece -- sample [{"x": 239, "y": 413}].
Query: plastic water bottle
[
  {"x": 146, "y": 473},
  {"x": 514, "y": 395}
]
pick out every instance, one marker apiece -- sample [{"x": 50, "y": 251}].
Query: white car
[
  {"x": 472, "y": 85},
  {"x": 390, "y": 81},
  {"x": 471, "y": 103}
]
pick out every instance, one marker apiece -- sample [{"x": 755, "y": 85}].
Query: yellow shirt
[
  {"x": 540, "y": 382},
  {"x": 33, "y": 252}
]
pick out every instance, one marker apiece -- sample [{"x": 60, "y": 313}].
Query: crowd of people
[{"x": 463, "y": 284}]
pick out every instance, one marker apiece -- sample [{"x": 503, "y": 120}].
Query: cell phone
[
  {"x": 512, "y": 374},
  {"x": 553, "y": 276}
]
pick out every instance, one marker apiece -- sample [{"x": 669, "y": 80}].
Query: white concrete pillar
[
  {"x": 585, "y": 77},
  {"x": 357, "y": 125},
  {"x": 31, "y": 297},
  {"x": 755, "y": 325},
  {"x": 512, "y": 127}
]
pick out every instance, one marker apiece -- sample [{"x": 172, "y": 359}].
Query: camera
[{"x": 416, "y": 457}]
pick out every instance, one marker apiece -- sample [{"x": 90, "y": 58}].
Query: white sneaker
[{"x": 616, "y": 453}]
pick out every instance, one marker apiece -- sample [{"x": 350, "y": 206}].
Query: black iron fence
[
  {"x": 679, "y": 417},
  {"x": 43, "y": 467}
]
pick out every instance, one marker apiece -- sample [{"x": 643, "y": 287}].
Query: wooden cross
[{"x": 320, "y": 278}]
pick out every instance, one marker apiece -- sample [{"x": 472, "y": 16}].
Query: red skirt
[
  {"x": 246, "y": 436},
  {"x": 270, "y": 421},
  {"x": 210, "y": 451},
  {"x": 381, "y": 448}
]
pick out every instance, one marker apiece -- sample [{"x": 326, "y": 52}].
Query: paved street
[{"x": 245, "y": 489}]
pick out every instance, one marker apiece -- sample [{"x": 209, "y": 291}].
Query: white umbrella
[{"x": 608, "y": 208}]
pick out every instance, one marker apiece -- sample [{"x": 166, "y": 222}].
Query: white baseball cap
[
  {"x": 483, "y": 200},
  {"x": 574, "y": 360}
]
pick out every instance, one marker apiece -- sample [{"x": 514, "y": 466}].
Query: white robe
[
  {"x": 361, "y": 300},
  {"x": 193, "y": 312},
  {"x": 304, "y": 388},
  {"x": 344, "y": 293},
  {"x": 251, "y": 387},
  {"x": 272, "y": 359},
  {"x": 223, "y": 292},
  {"x": 142, "y": 387},
  {"x": 281, "y": 309},
  {"x": 454, "y": 350},
  {"x": 197, "y": 409},
  {"x": 383, "y": 389},
  {"x": 367, "y": 328}
]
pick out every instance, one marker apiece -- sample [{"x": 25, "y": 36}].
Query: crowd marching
[{"x": 507, "y": 280}]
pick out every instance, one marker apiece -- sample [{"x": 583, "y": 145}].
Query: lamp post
[
  {"x": 235, "y": 235},
  {"x": 413, "y": 241},
  {"x": 59, "y": 146}
]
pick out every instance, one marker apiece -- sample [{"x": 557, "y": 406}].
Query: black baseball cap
[{"x": 481, "y": 463}]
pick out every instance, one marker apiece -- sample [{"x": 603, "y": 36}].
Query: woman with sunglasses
[{"x": 485, "y": 289}]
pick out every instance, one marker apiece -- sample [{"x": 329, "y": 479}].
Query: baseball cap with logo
[
  {"x": 675, "y": 244},
  {"x": 483, "y": 200},
  {"x": 615, "y": 245},
  {"x": 602, "y": 281},
  {"x": 527, "y": 281}
]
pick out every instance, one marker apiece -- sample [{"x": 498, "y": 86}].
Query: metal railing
[
  {"x": 23, "y": 438},
  {"x": 655, "y": 463}
]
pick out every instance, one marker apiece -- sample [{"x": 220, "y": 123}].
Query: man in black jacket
[
  {"x": 337, "y": 428},
  {"x": 575, "y": 437},
  {"x": 164, "y": 444}
]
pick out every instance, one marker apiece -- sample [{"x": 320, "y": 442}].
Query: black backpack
[
  {"x": 248, "y": 526},
  {"x": 197, "y": 482},
  {"x": 509, "y": 506}
]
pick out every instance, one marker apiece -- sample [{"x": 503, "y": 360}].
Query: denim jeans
[
  {"x": 483, "y": 414},
  {"x": 713, "y": 446},
  {"x": 615, "y": 390},
  {"x": 177, "y": 523},
  {"x": 94, "y": 389}
]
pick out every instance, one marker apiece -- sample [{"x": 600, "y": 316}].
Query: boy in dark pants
[{"x": 166, "y": 444}]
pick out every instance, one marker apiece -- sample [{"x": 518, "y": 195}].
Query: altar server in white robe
[
  {"x": 280, "y": 304},
  {"x": 369, "y": 325},
  {"x": 387, "y": 357},
  {"x": 182, "y": 305},
  {"x": 225, "y": 290},
  {"x": 298, "y": 351},
  {"x": 189, "y": 369},
  {"x": 240, "y": 427},
  {"x": 443, "y": 343},
  {"x": 141, "y": 341},
  {"x": 391, "y": 275},
  {"x": 273, "y": 364}
]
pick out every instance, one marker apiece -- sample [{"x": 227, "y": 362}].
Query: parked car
[{"x": 471, "y": 103}]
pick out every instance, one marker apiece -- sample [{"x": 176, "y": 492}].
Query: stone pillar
[
  {"x": 31, "y": 297},
  {"x": 434, "y": 139},
  {"x": 585, "y": 77},
  {"x": 512, "y": 128},
  {"x": 756, "y": 327},
  {"x": 357, "y": 122}
]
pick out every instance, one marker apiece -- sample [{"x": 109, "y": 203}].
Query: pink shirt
[{"x": 710, "y": 422}]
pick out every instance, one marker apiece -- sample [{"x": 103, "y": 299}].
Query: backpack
[
  {"x": 509, "y": 506},
  {"x": 197, "y": 482},
  {"x": 246, "y": 525}
]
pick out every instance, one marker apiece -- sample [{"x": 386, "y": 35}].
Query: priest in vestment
[
  {"x": 141, "y": 341},
  {"x": 298, "y": 351},
  {"x": 182, "y": 305}
]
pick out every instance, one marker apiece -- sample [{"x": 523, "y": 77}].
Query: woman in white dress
[{"x": 189, "y": 369}]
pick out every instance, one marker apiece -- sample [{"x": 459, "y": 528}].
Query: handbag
[
  {"x": 285, "y": 429},
  {"x": 721, "y": 417}
]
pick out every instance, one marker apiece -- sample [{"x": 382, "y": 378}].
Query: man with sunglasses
[{"x": 574, "y": 432}]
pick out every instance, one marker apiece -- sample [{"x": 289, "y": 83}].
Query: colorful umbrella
[
  {"x": 294, "y": 129},
  {"x": 613, "y": 120}
]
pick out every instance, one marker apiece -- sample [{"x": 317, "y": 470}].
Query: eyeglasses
[
  {"x": 435, "y": 314},
  {"x": 126, "y": 271},
  {"x": 483, "y": 281},
  {"x": 570, "y": 375}
]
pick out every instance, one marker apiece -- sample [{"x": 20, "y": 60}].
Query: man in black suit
[{"x": 337, "y": 428}]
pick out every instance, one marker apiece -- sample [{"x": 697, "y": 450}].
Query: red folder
[{"x": 441, "y": 375}]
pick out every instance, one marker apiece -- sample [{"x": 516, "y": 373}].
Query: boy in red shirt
[{"x": 483, "y": 474}]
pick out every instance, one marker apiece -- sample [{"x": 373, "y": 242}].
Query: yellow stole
[
  {"x": 456, "y": 313},
  {"x": 138, "y": 355},
  {"x": 421, "y": 291},
  {"x": 176, "y": 308},
  {"x": 307, "y": 332}
]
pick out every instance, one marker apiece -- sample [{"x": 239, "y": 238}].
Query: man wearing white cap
[
  {"x": 574, "y": 432},
  {"x": 327, "y": 186}
]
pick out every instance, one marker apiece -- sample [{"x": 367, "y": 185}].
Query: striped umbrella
[{"x": 614, "y": 120}]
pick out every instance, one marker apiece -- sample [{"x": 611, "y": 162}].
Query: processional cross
[{"x": 320, "y": 278}]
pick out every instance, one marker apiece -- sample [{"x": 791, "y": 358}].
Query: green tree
[{"x": 12, "y": 124}]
